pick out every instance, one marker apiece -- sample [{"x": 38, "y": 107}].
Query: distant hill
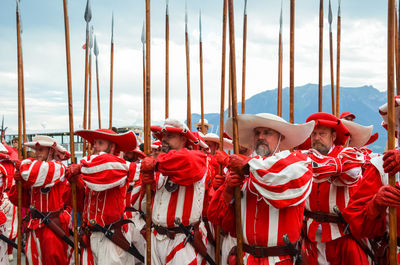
[{"x": 362, "y": 101}]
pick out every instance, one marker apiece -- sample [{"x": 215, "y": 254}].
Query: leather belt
[
  {"x": 172, "y": 231},
  {"x": 51, "y": 215},
  {"x": 323, "y": 217},
  {"x": 262, "y": 252}
]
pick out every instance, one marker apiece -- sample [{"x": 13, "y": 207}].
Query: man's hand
[
  {"x": 17, "y": 164},
  {"x": 218, "y": 180},
  {"x": 391, "y": 162},
  {"x": 17, "y": 176},
  {"x": 387, "y": 196},
  {"x": 147, "y": 168},
  {"x": 238, "y": 164},
  {"x": 233, "y": 180},
  {"x": 73, "y": 172},
  {"x": 222, "y": 158}
]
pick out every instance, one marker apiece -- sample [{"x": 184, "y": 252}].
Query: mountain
[{"x": 362, "y": 101}]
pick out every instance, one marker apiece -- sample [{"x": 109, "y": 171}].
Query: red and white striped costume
[
  {"x": 272, "y": 204},
  {"x": 188, "y": 170},
  {"x": 102, "y": 193},
  {"x": 335, "y": 180},
  {"x": 43, "y": 187}
]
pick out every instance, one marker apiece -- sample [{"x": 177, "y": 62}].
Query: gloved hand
[
  {"x": 17, "y": 176},
  {"x": 218, "y": 180},
  {"x": 73, "y": 172},
  {"x": 147, "y": 168},
  {"x": 387, "y": 196},
  {"x": 17, "y": 164},
  {"x": 4, "y": 156},
  {"x": 222, "y": 158},
  {"x": 238, "y": 164},
  {"x": 233, "y": 180},
  {"x": 391, "y": 162}
]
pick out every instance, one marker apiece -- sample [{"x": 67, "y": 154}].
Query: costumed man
[
  {"x": 274, "y": 185},
  {"x": 347, "y": 115},
  {"x": 367, "y": 211},
  {"x": 43, "y": 188},
  {"x": 102, "y": 182},
  {"x": 207, "y": 126},
  {"x": 178, "y": 179},
  {"x": 336, "y": 171}
]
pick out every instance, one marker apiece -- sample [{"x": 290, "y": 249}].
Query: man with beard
[
  {"x": 337, "y": 171},
  {"x": 102, "y": 180},
  {"x": 274, "y": 184},
  {"x": 178, "y": 179},
  {"x": 43, "y": 187}
]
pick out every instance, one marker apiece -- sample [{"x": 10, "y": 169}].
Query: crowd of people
[{"x": 311, "y": 193}]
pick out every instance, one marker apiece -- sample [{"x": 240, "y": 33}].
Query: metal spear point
[
  {"x": 91, "y": 37},
  {"x": 95, "y": 48},
  {"x": 200, "y": 26},
  {"x": 339, "y": 9},
  {"x": 186, "y": 18},
  {"x": 143, "y": 38},
  {"x": 112, "y": 28},
  {"x": 88, "y": 12},
  {"x": 280, "y": 21},
  {"x": 166, "y": 8},
  {"x": 245, "y": 7},
  {"x": 330, "y": 16}
]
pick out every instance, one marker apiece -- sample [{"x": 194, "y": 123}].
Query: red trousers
[{"x": 343, "y": 251}]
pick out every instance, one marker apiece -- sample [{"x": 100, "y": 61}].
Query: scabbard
[{"x": 11, "y": 243}]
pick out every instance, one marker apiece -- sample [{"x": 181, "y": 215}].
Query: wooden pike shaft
[
  {"x": 86, "y": 86},
  {"x": 23, "y": 107},
  {"x": 292, "y": 17},
  {"x": 332, "y": 74},
  {"x": 98, "y": 93},
  {"x": 201, "y": 89},
  {"x": 144, "y": 79},
  {"x": 339, "y": 26},
  {"x": 90, "y": 93},
  {"x": 166, "y": 66},
  {"x": 391, "y": 126},
  {"x": 279, "y": 111},
  {"x": 71, "y": 130},
  {"x": 189, "y": 111},
  {"x": 20, "y": 84},
  {"x": 147, "y": 139},
  {"x": 111, "y": 83},
  {"x": 238, "y": 219},
  {"x": 229, "y": 90},
  {"x": 396, "y": 38},
  {"x": 321, "y": 52},
  {"x": 244, "y": 63}
]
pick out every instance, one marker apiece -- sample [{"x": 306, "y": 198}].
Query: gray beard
[
  {"x": 323, "y": 149},
  {"x": 263, "y": 150}
]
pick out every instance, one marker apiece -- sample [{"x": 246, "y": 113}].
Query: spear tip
[
  {"x": 339, "y": 9},
  {"x": 95, "y": 48},
  {"x": 88, "y": 12},
  {"x": 166, "y": 8},
  {"x": 330, "y": 13},
  {"x": 91, "y": 37},
  {"x": 280, "y": 20},
  {"x": 143, "y": 35},
  {"x": 186, "y": 17},
  {"x": 245, "y": 7},
  {"x": 200, "y": 25},
  {"x": 112, "y": 27}
]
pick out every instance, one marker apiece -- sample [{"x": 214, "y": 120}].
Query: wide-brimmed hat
[
  {"x": 329, "y": 120},
  {"x": 383, "y": 111},
  {"x": 294, "y": 134},
  {"x": 175, "y": 126},
  {"x": 347, "y": 114},
  {"x": 205, "y": 121},
  {"x": 47, "y": 141},
  {"x": 359, "y": 134},
  {"x": 212, "y": 137},
  {"x": 3, "y": 149},
  {"x": 124, "y": 142}
]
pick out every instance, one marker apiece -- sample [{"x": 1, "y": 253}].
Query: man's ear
[
  {"x": 112, "y": 148},
  {"x": 333, "y": 136}
]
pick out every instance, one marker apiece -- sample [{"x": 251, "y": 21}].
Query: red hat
[
  {"x": 175, "y": 126},
  {"x": 347, "y": 114},
  {"x": 326, "y": 119},
  {"x": 140, "y": 154},
  {"x": 156, "y": 144},
  {"x": 125, "y": 142}
]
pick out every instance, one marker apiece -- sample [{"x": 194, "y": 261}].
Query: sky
[{"x": 363, "y": 54}]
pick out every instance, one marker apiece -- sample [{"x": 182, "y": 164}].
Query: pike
[
  {"x": 143, "y": 39},
  {"x": 291, "y": 79},
  {"x": 166, "y": 60},
  {"x": 321, "y": 53},
  {"x": 3, "y": 130},
  {"x": 279, "y": 105},
  {"x": 391, "y": 126},
  {"x": 221, "y": 122},
  {"x": 331, "y": 58},
  {"x": 238, "y": 219},
  {"x": 88, "y": 17},
  {"x": 244, "y": 57},
  {"x": 396, "y": 45},
  {"x": 96, "y": 53},
  {"x": 20, "y": 99},
  {"x": 90, "y": 79},
  {"x": 147, "y": 133},
  {"x": 188, "y": 107},
  {"x": 111, "y": 69},
  {"x": 201, "y": 76},
  {"x": 71, "y": 130},
  {"x": 339, "y": 24}
]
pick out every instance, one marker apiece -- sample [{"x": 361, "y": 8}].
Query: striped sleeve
[
  {"x": 37, "y": 173},
  {"x": 282, "y": 180}
]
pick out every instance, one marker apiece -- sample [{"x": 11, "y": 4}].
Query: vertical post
[
  {"x": 147, "y": 139},
  {"x": 166, "y": 61},
  {"x": 321, "y": 52},
  {"x": 71, "y": 130},
  {"x": 292, "y": 17},
  {"x": 111, "y": 70},
  {"x": 279, "y": 98},
  {"x": 244, "y": 57},
  {"x": 238, "y": 219},
  {"x": 201, "y": 78},
  {"x": 331, "y": 58},
  {"x": 188, "y": 103},
  {"x": 339, "y": 26}
]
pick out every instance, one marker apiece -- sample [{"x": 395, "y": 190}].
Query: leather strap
[{"x": 323, "y": 217}]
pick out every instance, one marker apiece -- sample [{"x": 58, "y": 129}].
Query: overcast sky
[{"x": 363, "y": 54}]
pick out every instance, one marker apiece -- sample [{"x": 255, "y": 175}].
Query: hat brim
[
  {"x": 359, "y": 134},
  {"x": 158, "y": 132},
  {"x": 294, "y": 134},
  {"x": 54, "y": 145},
  {"x": 228, "y": 145},
  {"x": 125, "y": 142},
  {"x": 205, "y": 124}
]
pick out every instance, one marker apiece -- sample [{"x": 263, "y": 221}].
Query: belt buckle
[
  {"x": 171, "y": 186},
  {"x": 258, "y": 251}
]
